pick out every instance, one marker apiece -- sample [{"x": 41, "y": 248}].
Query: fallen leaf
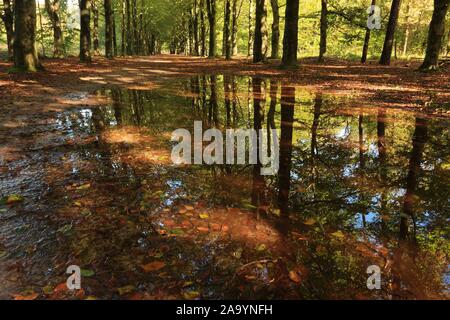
[
  {"x": 153, "y": 266},
  {"x": 32, "y": 296},
  {"x": 84, "y": 186},
  {"x": 202, "y": 229},
  {"x": 294, "y": 276},
  {"x": 203, "y": 216},
  {"x": 191, "y": 295},
  {"x": 125, "y": 289},
  {"x": 14, "y": 198},
  {"x": 338, "y": 234},
  {"x": 87, "y": 273},
  {"x": 309, "y": 222}
]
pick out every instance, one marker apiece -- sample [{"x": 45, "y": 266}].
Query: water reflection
[{"x": 356, "y": 187}]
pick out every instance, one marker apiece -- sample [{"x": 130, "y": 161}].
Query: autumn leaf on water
[
  {"x": 191, "y": 295},
  {"x": 294, "y": 276},
  {"x": 153, "y": 266},
  {"x": 309, "y": 222},
  {"x": 31, "y": 296}
]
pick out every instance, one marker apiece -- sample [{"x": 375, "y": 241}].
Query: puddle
[{"x": 357, "y": 186}]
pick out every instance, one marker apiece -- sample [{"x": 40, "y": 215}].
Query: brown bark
[
  {"x": 367, "y": 40},
  {"x": 211, "y": 8},
  {"x": 8, "y": 20},
  {"x": 290, "y": 40},
  {"x": 108, "y": 29},
  {"x": 25, "y": 55},
  {"x": 52, "y": 7},
  {"x": 85, "y": 31},
  {"x": 250, "y": 29},
  {"x": 227, "y": 30},
  {"x": 435, "y": 35},
  {"x": 260, "y": 41},
  {"x": 95, "y": 27},
  {"x": 275, "y": 29},
  {"x": 323, "y": 30},
  {"x": 390, "y": 33}
]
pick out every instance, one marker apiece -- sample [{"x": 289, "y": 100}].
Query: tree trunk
[
  {"x": 390, "y": 33},
  {"x": 275, "y": 29},
  {"x": 435, "y": 35},
  {"x": 108, "y": 29},
  {"x": 52, "y": 7},
  {"x": 114, "y": 33},
  {"x": 129, "y": 34},
  {"x": 290, "y": 40},
  {"x": 41, "y": 30},
  {"x": 234, "y": 26},
  {"x": 323, "y": 30},
  {"x": 211, "y": 7},
  {"x": 250, "y": 29},
  {"x": 85, "y": 31},
  {"x": 227, "y": 30},
  {"x": 8, "y": 20},
  {"x": 95, "y": 28},
  {"x": 135, "y": 20},
  {"x": 407, "y": 31},
  {"x": 195, "y": 29},
  {"x": 260, "y": 42},
  {"x": 123, "y": 34},
  {"x": 367, "y": 40},
  {"x": 25, "y": 55},
  {"x": 202, "y": 28}
]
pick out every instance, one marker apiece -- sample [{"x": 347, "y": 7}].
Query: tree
[
  {"x": 108, "y": 29},
  {"x": 234, "y": 25},
  {"x": 290, "y": 40},
  {"x": 260, "y": 41},
  {"x": 202, "y": 28},
  {"x": 25, "y": 55},
  {"x": 85, "y": 31},
  {"x": 435, "y": 35},
  {"x": 227, "y": 30},
  {"x": 390, "y": 33},
  {"x": 8, "y": 20},
  {"x": 367, "y": 39},
  {"x": 211, "y": 8},
  {"x": 250, "y": 29},
  {"x": 275, "y": 29},
  {"x": 323, "y": 30},
  {"x": 52, "y": 7},
  {"x": 95, "y": 27}
]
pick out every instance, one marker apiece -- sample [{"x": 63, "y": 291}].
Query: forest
[{"x": 136, "y": 138}]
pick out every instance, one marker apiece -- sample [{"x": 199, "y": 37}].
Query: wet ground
[{"x": 96, "y": 187}]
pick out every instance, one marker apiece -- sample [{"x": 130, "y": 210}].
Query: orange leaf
[
  {"x": 32, "y": 296},
  {"x": 294, "y": 276},
  {"x": 153, "y": 266}
]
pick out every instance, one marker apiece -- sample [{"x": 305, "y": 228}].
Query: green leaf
[{"x": 87, "y": 273}]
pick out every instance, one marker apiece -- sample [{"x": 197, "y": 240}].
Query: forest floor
[
  {"x": 399, "y": 85},
  {"x": 74, "y": 194}
]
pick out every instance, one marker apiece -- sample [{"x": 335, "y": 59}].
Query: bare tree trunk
[
  {"x": 323, "y": 30},
  {"x": 108, "y": 29},
  {"x": 260, "y": 42},
  {"x": 390, "y": 33},
  {"x": 435, "y": 35},
  {"x": 52, "y": 7},
  {"x": 95, "y": 28},
  {"x": 85, "y": 31},
  {"x": 227, "y": 30},
  {"x": 250, "y": 29},
  {"x": 195, "y": 29},
  {"x": 407, "y": 30},
  {"x": 25, "y": 55},
  {"x": 367, "y": 40},
  {"x": 129, "y": 35},
  {"x": 114, "y": 33},
  {"x": 123, "y": 30},
  {"x": 290, "y": 40},
  {"x": 8, "y": 20},
  {"x": 202, "y": 28},
  {"x": 41, "y": 30},
  {"x": 211, "y": 6},
  {"x": 234, "y": 25},
  {"x": 275, "y": 29}
]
